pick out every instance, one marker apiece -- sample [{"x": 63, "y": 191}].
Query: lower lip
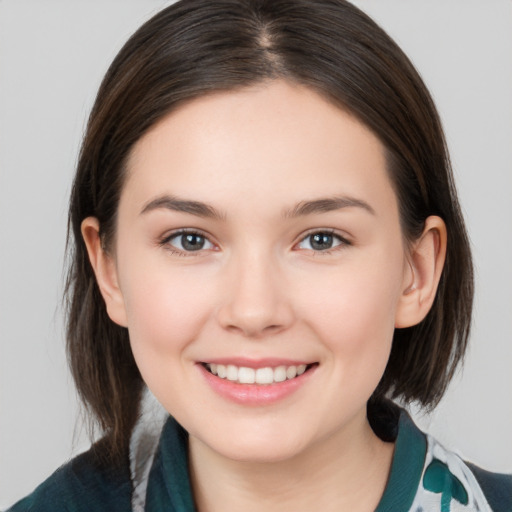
[{"x": 255, "y": 394}]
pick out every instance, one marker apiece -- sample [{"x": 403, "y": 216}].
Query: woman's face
[{"x": 258, "y": 234}]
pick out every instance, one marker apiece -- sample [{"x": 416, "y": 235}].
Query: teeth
[
  {"x": 280, "y": 374},
  {"x": 221, "y": 371},
  {"x": 267, "y": 375},
  {"x": 232, "y": 372},
  {"x": 291, "y": 372},
  {"x": 264, "y": 376},
  {"x": 246, "y": 375}
]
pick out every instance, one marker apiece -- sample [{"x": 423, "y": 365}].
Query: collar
[
  {"x": 406, "y": 468},
  {"x": 169, "y": 484}
]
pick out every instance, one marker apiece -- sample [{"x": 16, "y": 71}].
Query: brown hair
[{"x": 198, "y": 46}]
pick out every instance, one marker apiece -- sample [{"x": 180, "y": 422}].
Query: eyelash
[{"x": 165, "y": 242}]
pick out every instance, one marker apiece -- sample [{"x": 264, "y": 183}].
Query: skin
[{"x": 258, "y": 289}]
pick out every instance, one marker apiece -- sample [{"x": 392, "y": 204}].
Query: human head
[{"x": 196, "y": 47}]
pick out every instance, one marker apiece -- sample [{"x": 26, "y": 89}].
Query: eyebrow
[
  {"x": 328, "y": 204},
  {"x": 197, "y": 208},
  {"x": 303, "y": 208}
]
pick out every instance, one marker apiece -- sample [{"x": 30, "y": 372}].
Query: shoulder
[
  {"x": 82, "y": 485},
  {"x": 426, "y": 476},
  {"x": 497, "y": 488}
]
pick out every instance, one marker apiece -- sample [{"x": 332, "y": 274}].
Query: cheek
[
  {"x": 166, "y": 310},
  {"x": 354, "y": 310},
  {"x": 166, "y": 313}
]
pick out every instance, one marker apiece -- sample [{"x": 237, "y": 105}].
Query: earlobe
[
  {"x": 105, "y": 271},
  {"x": 423, "y": 273}
]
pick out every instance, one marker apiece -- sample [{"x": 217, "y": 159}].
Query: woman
[{"x": 211, "y": 121}]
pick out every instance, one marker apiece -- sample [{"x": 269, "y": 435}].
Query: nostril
[
  {"x": 254, "y": 331},
  {"x": 253, "y": 315}
]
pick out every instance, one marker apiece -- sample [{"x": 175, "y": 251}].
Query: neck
[{"x": 346, "y": 471}]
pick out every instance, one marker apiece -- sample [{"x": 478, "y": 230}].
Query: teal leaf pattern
[{"x": 439, "y": 479}]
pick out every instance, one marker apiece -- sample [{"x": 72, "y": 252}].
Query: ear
[
  {"x": 422, "y": 274},
  {"x": 105, "y": 271}
]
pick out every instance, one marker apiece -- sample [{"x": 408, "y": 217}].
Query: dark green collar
[
  {"x": 169, "y": 483},
  {"x": 407, "y": 467}
]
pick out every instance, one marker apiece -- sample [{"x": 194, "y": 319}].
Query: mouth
[{"x": 267, "y": 375}]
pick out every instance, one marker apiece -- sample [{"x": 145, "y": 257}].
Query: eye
[
  {"x": 188, "y": 241},
  {"x": 321, "y": 241}
]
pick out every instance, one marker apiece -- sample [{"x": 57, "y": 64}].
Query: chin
[
  {"x": 265, "y": 452},
  {"x": 261, "y": 444}
]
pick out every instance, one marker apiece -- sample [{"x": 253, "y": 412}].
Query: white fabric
[
  {"x": 426, "y": 501},
  {"x": 143, "y": 445}
]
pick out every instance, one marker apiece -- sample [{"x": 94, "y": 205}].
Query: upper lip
[{"x": 256, "y": 363}]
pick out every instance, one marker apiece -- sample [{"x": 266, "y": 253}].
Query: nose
[{"x": 256, "y": 301}]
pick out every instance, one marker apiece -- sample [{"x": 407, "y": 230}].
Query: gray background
[{"x": 52, "y": 57}]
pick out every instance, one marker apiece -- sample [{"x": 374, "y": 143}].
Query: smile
[
  {"x": 259, "y": 383},
  {"x": 266, "y": 375}
]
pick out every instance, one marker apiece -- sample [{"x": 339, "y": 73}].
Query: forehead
[{"x": 274, "y": 143}]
